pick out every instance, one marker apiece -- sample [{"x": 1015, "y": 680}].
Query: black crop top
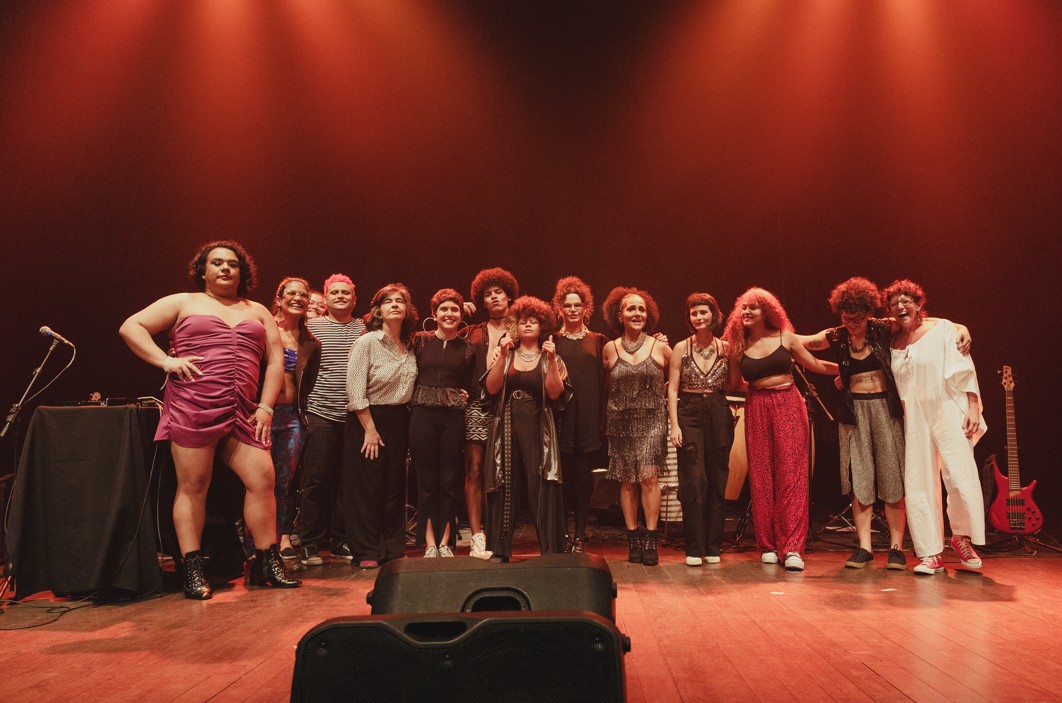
[
  {"x": 777, "y": 363},
  {"x": 870, "y": 363}
]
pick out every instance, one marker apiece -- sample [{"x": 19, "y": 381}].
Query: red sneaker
[
  {"x": 930, "y": 565},
  {"x": 967, "y": 556}
]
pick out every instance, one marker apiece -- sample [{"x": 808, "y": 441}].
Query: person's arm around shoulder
[{"x": 804, "y": 357}]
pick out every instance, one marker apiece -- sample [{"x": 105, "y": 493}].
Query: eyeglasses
[{"x": 901, "y": 302}]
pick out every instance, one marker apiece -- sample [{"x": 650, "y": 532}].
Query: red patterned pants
[{"x": 776, "y": 435}]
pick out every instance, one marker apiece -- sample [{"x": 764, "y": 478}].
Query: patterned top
[
  {"x": 691, "y": 378},
  {"x": 379, "y": 372},
  {"x": 328, "y": 397}
]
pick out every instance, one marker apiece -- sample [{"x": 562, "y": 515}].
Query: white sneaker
[
  {"x": 694, "y": 561},
  {"x": 431, "y": 552},
  {"x": 712, "y": 560},
  {"x": 769, "y": 557},
  {"x": 479, "y": 547},
  {"x": 793, "y": 562},
  {"x": 444, "y": 551}
]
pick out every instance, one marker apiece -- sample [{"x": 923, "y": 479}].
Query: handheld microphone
[{"x": 47, "y": 331}]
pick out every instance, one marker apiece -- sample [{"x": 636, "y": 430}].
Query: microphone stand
[
  {"x": 12, "y": 417},
  {"x": 13, "y": 413},
  {"x": 811, "y": 394}
]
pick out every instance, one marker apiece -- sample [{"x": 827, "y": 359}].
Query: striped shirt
[
  {"x": 328, "y": 397},
  {"x": 379, "y": 372}
]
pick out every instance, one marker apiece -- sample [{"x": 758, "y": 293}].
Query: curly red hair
[
  {"x": 774, "y": 317},
  {"x": 573, "y": 285},
  {"x": 614, "y": 303},
  {"x": 854, "y": 296},
  {"x": 905, "y": 286},
  {"x": 488, "y": 278},
  {"x": 529, "y": 306}
]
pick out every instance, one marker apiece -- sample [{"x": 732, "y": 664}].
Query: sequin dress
[{"x": 636, "y": 420}]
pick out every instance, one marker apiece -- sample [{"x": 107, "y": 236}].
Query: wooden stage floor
[{"x": 739, "y": 631}]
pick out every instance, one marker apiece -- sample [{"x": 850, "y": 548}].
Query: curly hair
[
  {"x": 708, "y": 299},
  {"x": 488, "y": 278},
  {"x": 774, "y": 317},
  {"x": 446, "y": 295},
  {"x": 529, "y": 306},
  {"x": 854, "y": 296},
  {"x": 613, "y": 306},
  {"x": 573, "y": 285},
  {"x": 905, "y": 286},
  {"x": 374, "y": 320},
  {"x": 197, "y": 266}
]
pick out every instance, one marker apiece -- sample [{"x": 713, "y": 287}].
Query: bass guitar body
[{"x": 1013, "y": 511}]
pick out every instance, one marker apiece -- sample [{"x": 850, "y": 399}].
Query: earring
[{"x": 424, "y": 325}]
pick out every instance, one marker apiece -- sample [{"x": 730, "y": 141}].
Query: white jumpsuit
[{"x": 933, "y": 380}]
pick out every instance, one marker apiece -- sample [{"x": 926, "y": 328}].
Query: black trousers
[
  {"x": 322, "y": 462},
  {"x": 578, "y": 487},
  {"x": 545, "y": 499},
  {"x": 703, "y": 467},
  {"x": 374, "y": 490},
  {"x": 437, "y": 443}
]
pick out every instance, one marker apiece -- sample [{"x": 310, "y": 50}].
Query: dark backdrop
[{"x": 675, "y": 146}]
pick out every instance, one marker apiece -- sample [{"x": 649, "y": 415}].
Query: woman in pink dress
[{"x": 219, "y": 339}]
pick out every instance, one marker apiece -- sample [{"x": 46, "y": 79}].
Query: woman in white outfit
[{"x": 942, "y": 421}]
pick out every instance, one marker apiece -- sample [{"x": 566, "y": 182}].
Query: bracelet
[
  {"x": 263, "y": 406},
  {"x": 167, "y": 364}
]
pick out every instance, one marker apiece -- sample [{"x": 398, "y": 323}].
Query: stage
[{"x": 739, "y": 630}]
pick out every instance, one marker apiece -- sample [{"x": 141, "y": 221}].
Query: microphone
[{"x": 47, "y": 331}]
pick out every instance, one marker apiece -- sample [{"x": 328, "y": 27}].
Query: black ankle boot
[
  {"x": 649, "y": 554},
  {"x": 634, "y": 546},
  {"x": 196, "y": 585},
  {"x": 266, "y": 568}
]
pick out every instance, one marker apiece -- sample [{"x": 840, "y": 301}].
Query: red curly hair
[
  {"x": 774, "y": 317},
  {"x": 614, "y": 303},
  {"x": 567, "y": 286},
  {"x": 529, "y": 306}
]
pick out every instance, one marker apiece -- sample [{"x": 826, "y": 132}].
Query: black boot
[
  {"x": 196, "y": 585},
  {"x": 634, "y": 546},
  {"x": 649, "y": 555},
  {"x": 266, "y": 568}
]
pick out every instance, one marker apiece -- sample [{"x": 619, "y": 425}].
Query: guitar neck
[{"x": 1013, "y": 475}]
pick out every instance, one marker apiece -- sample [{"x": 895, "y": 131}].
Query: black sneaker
[
  {"x": 310, "y": 555},
  {"x": 288, "y": 554},
  {"x": 579, "y": 545},
  {"x": 897, "y": 561},
  {"x": 342, "y": 551},
  {"x": 859, "y": 559}
]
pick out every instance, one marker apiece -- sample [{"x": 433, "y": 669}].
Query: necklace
[
  {"x": 575, "y": 336},
  {"x": 853, "y": 347},
  {"x": 528, "y": 356},
  {"x": 632, "y": 347},
  {"x": 706, "y": 352}
]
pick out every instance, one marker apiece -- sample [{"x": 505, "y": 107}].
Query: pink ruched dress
[{"x": 219, "y": 402}]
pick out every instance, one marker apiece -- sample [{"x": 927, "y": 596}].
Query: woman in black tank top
[
  {"x": 761, "y": 343},
  {"x": 523, "y": 454}
]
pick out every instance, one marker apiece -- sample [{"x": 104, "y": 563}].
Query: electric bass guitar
[{"x": 1013, "y": 511}]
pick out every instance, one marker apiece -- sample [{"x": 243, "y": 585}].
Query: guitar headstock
[{"x": 1008, "y": 379}]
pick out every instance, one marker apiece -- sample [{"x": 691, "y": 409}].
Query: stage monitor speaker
[
  {"x": 581, "y": 582},
  {"x": 462, "y": 658}
]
